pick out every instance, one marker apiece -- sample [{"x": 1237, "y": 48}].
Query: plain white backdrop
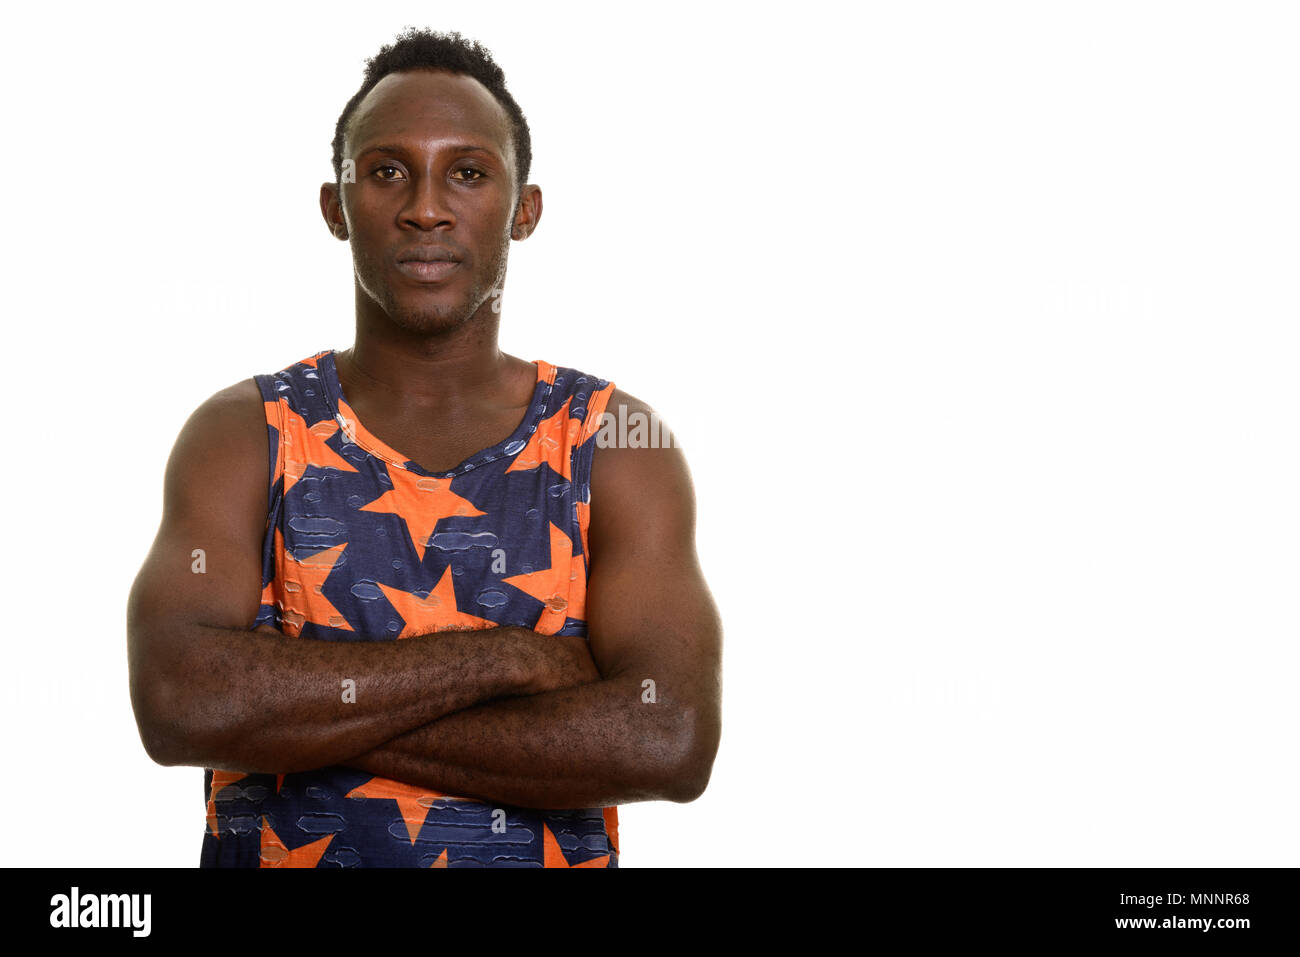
[{"x": 978, "y": 323}]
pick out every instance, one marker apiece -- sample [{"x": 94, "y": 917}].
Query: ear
[
  {"x": 527, "y": 213},
  {"x": 331, "y": 207}
]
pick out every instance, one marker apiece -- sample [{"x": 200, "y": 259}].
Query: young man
[{"x": 435, "y": 620}]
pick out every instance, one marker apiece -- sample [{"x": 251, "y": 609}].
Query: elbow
[
  {"x": 179, "y": 722},
  {"x": 159, "y": 747},
  {"x": 154, "y": 698},
  {"x": 159, "y": 743},
  {"x": 689, "y": 784},
  {"x": 161, "y": 722},
  {"x": 694, "y": 745},
  {"x": 157, "y": 733}
]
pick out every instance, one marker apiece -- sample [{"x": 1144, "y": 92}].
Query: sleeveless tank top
[{"x": 363, "y": 544}]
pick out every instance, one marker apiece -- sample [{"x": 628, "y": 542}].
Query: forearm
[
  {"x": 259, "y": 702},
  {"x": 595, "y": 745}
]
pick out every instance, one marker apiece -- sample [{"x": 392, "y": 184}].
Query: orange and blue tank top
[{"x": 363, "y": 544}]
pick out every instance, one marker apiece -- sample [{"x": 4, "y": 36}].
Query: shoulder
[
  {"x": 631, "y": 424},
  {"x": 639, "y": 475},
  {"x": 579, "y": 390},
  {"x": 230, "y": 414},
  {"x": 223, "y": 440},
  {"x": 300, "y": 386},
  {"x": 236, "y": 408}
]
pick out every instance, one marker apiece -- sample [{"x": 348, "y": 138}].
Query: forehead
[{"x": 424, "y": 107}]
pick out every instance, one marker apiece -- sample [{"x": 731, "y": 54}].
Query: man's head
[
  {"x": 426, "y": 50},
  {"x": 431, "y": 158}
]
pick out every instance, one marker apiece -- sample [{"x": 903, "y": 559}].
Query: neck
[{"x": 440, "y": 368}]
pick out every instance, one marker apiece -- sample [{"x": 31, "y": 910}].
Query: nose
[{"x": 427, "y": 206}]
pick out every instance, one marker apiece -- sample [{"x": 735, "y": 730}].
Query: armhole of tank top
[
  {"x": 583, "y": 454},
  {"x": 275, "y": 447}
]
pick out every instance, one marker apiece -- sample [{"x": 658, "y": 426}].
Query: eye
[
  {"x": 474, "y": 174},
  {"x": 381, "y": 169}
]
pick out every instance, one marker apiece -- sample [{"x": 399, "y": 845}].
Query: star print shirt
[{"x": 363, "y": 544}]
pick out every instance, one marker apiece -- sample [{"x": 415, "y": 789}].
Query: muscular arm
[
  {"x": 208, "y": 691},
  {"x": 649, "y": 617}
]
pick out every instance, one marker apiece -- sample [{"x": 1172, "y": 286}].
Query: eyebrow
[{"x": 397, "y": 148}]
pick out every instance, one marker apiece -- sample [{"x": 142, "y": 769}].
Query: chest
[
  {"x": 388, "y": 553},
  {"x": 440, "y": 442}
]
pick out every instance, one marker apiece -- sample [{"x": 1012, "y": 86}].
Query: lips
[
  {"x": 428, "y": 263},
  {"x": 428, "y": 254}
]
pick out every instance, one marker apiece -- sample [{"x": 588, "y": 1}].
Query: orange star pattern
[
  {"x": 303, "y": 598},
  {"x": 583, "y": 511},
  {"x": 308, "y": 414},
  {"x": 413, "y": 802},
  {"x": 423, "y": 510},
  {"x": 611, "y": 826},
  {"x": 437, "y": 612},
  {"x": 276, "y": 854},
  {"x": 223, "y": 779},
  {"x": 316, "y": 452},
  {"x": 220, "y": 779},
  {"x": 553, "y": 586},
  {"x": 544, "y": 447}
]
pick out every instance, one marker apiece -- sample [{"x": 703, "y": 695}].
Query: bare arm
[
  {"x": 650, "y": 617},
  {"x": 207, "y": 691}
]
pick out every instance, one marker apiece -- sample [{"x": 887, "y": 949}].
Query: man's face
[{"x": 430, "y": 215}]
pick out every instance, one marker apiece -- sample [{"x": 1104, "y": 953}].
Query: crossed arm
[
  {"x": 649, "y": 728},
  {"x": 505, "y": 714}
]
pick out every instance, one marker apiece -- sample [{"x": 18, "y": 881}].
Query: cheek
[{"x": 366, "y": 245}]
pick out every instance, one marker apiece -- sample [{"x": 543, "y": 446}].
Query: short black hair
[{"x": 428, "y": 50}]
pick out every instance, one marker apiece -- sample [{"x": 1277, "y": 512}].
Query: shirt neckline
[{"x": 354, "y": 431}]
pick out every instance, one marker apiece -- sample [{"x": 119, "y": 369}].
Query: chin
[{"x": 428, "y": 319}]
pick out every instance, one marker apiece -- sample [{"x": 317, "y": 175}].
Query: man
[{"x": 463, "y": 653}]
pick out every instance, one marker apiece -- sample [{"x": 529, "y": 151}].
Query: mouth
[
  {"x": 427, "y": 265},
  {"x": 431, "y": 271}
]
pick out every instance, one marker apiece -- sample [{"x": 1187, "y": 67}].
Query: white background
[{"x": 977, "y": 321}]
